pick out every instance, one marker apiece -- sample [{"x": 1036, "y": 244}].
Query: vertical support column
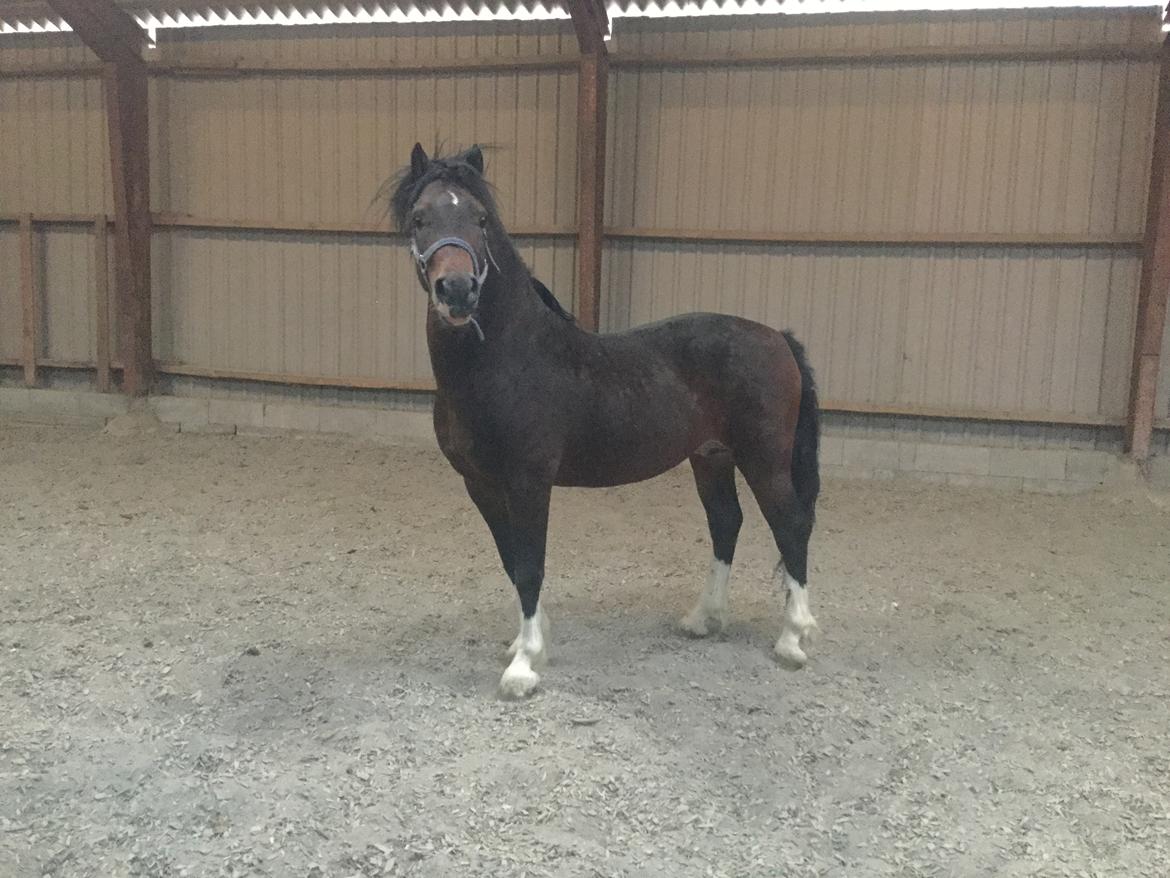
[
  {"x": 30, "y": 300},
  {"x": 126, "y": 109},
  {"x": 592, "y": 89},
  {"x": 1155, "y": 281},
  {"x": 101, "y": 287}
]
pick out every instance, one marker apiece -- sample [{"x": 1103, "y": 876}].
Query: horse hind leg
[
  {"x": 791, "y": 524},
  {"x": 715, "y": 479}
]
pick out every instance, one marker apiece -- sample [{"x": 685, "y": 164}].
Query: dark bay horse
[{"x": 528, "y": 400}]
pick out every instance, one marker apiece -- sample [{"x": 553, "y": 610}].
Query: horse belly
[{"x": 641, "y": 443}]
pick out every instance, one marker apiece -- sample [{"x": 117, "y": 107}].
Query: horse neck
[{"x": 515, "y": 323}]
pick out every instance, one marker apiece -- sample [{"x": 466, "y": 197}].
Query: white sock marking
[
  {"x": 527, "y": 650},
  {"x": 798, "y": 621},
  {"x": 710, "y": 612}
]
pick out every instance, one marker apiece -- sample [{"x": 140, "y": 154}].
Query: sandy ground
[{"x": 230, "y": 656}]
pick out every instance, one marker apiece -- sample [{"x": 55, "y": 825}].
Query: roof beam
[
  {"x": 591, "y": 23},
  {"x": 112, "y": 34}
]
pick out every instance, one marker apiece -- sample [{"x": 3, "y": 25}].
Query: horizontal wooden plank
[
  {"x": 362, "y": 383},
  {"x": 483, "y": 64},
  {"x": 351, "y": 67},
  {"x": 187, "y": 221},
  {"x": 52, "y": 219},
  {"x": 973, "y": 239},
  {"x": 966, "y": 414},
  {"x": 344, "y": 382},
  {"x": 79, "y": 70},
  {"x": 715, "y": 236},
  {"x": 891, "y": 55}
]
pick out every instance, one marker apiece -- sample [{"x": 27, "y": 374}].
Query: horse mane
[
  {"x": 457, "y": 169},
  {"x": 546, "y": 296}
]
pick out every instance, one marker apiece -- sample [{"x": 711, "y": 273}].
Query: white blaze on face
[
  {"x": 528, "y": 650},
  {"x": 454, "y": 198}
]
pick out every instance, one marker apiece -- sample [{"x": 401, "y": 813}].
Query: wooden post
[
  {"x": 117, "y": 40},
  {"x": 1155, "y": 281},
  {"x": 126, "y": 103},
  {"x": 593, "y": 79},
  {"x": 101, "y": 279},
  {"x": 591, "y": 24},
  {"x": 30, "y": 300}
]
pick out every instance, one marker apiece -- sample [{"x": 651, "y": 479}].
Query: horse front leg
[{"x": 528, "y": 514}]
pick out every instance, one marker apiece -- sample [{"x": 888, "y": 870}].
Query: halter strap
[{"x": 422, "y": 260}]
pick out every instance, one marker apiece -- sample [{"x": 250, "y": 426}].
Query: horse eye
[
  {"x": 483, "y": 222},
  {"x": 417, "y": 222}
]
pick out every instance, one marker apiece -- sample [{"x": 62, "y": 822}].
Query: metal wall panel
[
  {"x": 305, "y": 305},
  {"x": 1025, "y": 330},
  {"x": 310, "y": 149},
  {"x": 67, "y": 293},
  {"x": 11, "y": 319},
  {"x": 317, "y": 149},
  {"x": 883, "y": 30},
  {"x": 53, "y": 140},
  {"x": 1029, "y": 148},
  {"x": 918, "y": 149}
]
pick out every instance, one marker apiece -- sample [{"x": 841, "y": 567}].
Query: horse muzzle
[{"x": 456, "y": 297}]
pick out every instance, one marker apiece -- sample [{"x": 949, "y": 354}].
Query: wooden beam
[
  {"x": 592, "y": 88},
  {"x": 960, "y": 239},
  {"x": 349, "y": 382},
  {"x": 1155, "y": 281},
  {"x": 240, "y": 67},
  {"x": 30, "y": 301},
  {"x": 31, "y": 70},
  {"x": 126, "y": 108},
  {"x": 109, "y": 32},
  {"x": 591, "y": 22},
  {"x": 381, "y": 230},
  {"x": 117, "y": 40},
  {"x": 889, "y": 55},
  {"x": 101, "y": 280}
]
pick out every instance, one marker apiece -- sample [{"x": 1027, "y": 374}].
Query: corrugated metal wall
[
  {"x": 52, "y": 133},
  {"x": 306, "y": 150},
  {"x": 10, "y": 315},
  {"x": 55, "y": 155},
  {"x": 1032, "y": 148},
  {"x": 830, "y": 149}
]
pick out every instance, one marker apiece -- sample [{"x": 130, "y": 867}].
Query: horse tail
[{"x": 806, "y": 478}]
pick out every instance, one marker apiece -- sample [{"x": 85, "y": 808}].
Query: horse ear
[
  {"x": 418, "y": 160},
  {"x": 474, "y": 157}
]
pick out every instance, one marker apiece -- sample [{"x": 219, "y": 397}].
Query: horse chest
[{"x": 474, "y": 446}]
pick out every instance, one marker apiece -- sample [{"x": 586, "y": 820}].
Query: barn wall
[
  {"x": 304, "y": 150},
  {"x": 911, "y": 150},
  {"x": 53, "y": 142},
  {"x": 10, "y": 314},
  {"x": 821, "y": 150}
]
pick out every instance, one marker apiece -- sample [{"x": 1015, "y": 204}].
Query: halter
[{"x": 422, "y": 260}]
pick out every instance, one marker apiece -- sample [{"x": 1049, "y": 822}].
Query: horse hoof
[
  {"x": 790, "y": 655},
  {"x": 518, "y": 684},
  {"x": 700, "y": 623}
]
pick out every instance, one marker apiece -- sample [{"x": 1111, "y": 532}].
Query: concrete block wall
[
  {"x": 1047, "y": 459},
  {"x": 1029, "y": 469}
]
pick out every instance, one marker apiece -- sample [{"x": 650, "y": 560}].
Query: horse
[{"x": 526, "y": 400}]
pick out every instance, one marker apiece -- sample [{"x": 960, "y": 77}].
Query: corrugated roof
[{"x": 23, "y": 16}]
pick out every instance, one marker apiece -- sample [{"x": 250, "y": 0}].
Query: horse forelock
[{"x": 408, "y": 187}]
